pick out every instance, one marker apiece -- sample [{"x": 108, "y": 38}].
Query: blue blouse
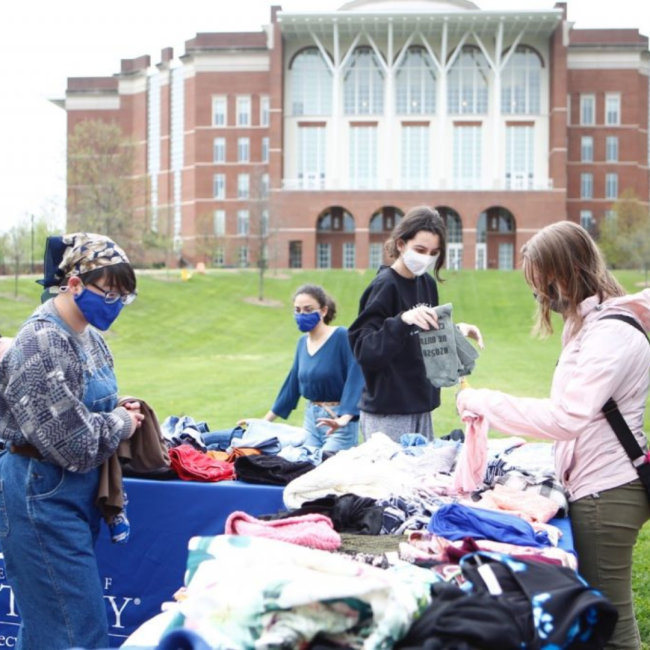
[{"x": 332, "y": 374}]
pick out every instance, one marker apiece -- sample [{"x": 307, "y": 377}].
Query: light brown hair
[{"x": 563, "y": 262}]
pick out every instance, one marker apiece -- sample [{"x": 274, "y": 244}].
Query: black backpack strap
[
  {"x": 623, "y": 432},
  {"x": 629, "y": 320},
  {"x": 613, "y": 415}
]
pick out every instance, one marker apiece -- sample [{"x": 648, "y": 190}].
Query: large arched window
[
  {"x": 521, "y": 83},
  {"x": 311, "y": 84},
  {"x": 335, "y": 219},
  {"x": 385, "y": 220},
  {"x": 468, "y": 83},
  {"x": 363, "y": 81},
  {"x": 415, "y": 83}
]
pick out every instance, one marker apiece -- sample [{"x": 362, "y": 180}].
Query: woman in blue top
[{"x": 324, "y": 372}]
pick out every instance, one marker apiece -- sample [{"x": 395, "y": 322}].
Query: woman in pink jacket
[{"x": 601, "y": 358}]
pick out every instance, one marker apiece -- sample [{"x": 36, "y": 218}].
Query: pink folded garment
[
  {"x": 315, "y": 531},
  {"x": 472, "y": 460}
]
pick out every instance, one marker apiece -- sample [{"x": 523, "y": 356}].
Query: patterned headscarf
[{"x": 86, "y": 252}]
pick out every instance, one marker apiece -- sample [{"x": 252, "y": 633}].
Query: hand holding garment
[
  {"x": 473, "y": 458},
  {"x": 446, "y": 353}
]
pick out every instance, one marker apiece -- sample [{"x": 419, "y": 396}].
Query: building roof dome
[{"x": 400, "y": 6}]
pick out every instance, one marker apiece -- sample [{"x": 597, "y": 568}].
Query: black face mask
[{"x": 555, "y": 303}]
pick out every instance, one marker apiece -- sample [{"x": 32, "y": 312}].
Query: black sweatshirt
[{"x": 388, "y": 350}]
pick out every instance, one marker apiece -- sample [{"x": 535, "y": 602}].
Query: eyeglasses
[{"x": 111, "y": 297}]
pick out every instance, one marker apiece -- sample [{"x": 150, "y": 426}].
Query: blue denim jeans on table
[
  {"x": 220, "y": 440},
  {"x": 343, "y": 438},
  {"x": 48, "y": 528}
]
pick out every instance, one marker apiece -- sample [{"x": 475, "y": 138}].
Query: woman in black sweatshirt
[{"x": 397, "y": 397}]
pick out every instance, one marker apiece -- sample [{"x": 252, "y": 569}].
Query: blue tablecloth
[{"x": 142, "y": 574}]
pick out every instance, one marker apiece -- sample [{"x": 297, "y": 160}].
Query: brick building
[{"x": 305, "y": 142}]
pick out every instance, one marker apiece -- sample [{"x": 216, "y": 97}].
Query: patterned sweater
[{"x": 41, "y": 393}]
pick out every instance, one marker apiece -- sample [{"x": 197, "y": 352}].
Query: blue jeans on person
[
  {"x": 49, "y": 524},
  {"x": 343, "y": 438}
]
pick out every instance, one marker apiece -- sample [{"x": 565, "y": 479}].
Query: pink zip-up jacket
[{"x": 607, "y": 358}]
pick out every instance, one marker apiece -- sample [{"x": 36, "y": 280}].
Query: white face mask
[{"x": 418, "y": 263}]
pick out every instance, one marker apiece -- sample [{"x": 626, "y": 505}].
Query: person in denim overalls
[
  {"x": 324, "y": 372},
  {"x": 59, "y": 421}
]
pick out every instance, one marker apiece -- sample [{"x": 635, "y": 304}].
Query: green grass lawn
[{"x": 207, "y": 348}]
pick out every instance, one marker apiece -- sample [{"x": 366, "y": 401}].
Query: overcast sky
[{"x": 43, "y": 42}]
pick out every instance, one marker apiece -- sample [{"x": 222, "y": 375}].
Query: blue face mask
[
  {"x": 97, "y": 312},
  {"x": 307, "y": 322}
]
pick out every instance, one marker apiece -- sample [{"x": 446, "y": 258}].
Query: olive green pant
[{"x": 605, "y": 527}]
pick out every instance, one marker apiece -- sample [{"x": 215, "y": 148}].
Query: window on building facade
[
  {"x": 415, "y": 157},
  {"x": 467, "y": 157},
  {"x": 453, "y": 224},
  {"x": 243, "y": 150},
  {"x": 219, "y": 223},
  {"x": 265, "y": 150},
  {"x": 363, "y": 84},
  {"x": 177, "y": 144},
  {"x": 219, "y": 150},
  {"x": 375, "y": 255},
  {"x": 243, "y": 186},
  {"x": 349, "y": 255},
  {"x": 311, "y": 84},
  {"x": 265, "y": 110},
  {"x": 220, "y": 111},
  {"x": 611, "y": 148},
  {"x": 323, "y": 256},
  {"x": 363, "y": 157},
  {"x": 219, "y": 186},
  {"x": 506, "y": 257},
  {"x": 587, "y": 110},
  {"x": 521, "y": 83},
  {"x": 586, "y": 186},
  {"x": 587, "y": 148},
  {"x": 611, "y": 186},
  {"x": 467, "y": 92},
  {"x": 264, "y": 186},
  {"x": 154, "y": 127},
  {"x": 295, "y": 254},
  {"x": 586, "y": 219},
  {"x": 415, "y": 83},
  {"x": 243, "y": 110},
  {"x": 520, "y": 157},
  {"x": 244, "y": 256},
  {"x": 335, "y": 219},
  {"x": 264, "y": 223},
  {"x": 311, "y": 156},
  {"x": 243, "y": 223},
  {"x": 612, "y": 109},
  {"x": 609, "y": 214},
  {"x": 219, "y": 256}
]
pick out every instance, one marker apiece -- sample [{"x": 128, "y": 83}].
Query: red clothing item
[{"x": 193, "y": 465}]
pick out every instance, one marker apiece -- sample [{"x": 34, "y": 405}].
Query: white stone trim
[
  {"x": 132, "y": 86},
  {"x": 92, "y": 103}
]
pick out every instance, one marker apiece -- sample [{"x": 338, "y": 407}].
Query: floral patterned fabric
[{"x": 245, "y": 593}]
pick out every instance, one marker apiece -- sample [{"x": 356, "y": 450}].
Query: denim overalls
[{"x": 48, "y": 531}]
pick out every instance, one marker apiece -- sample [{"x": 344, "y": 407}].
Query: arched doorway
[
  {"x": 496, "y": 234},
  {"x": 381, "y": 224},
  {"x": 454, "y": 226},
  {"x": 335, "y": 247}
]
